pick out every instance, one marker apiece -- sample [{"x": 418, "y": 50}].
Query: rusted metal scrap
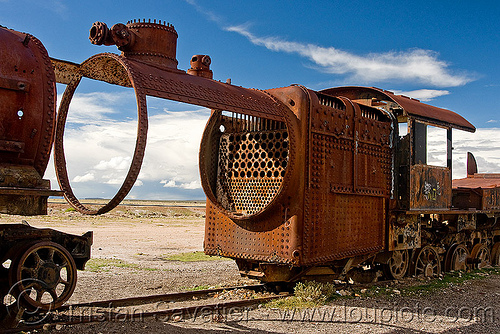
[{"x": 39, "y": 266}]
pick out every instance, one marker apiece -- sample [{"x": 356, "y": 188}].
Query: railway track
[{"x": 160, "y": 307}]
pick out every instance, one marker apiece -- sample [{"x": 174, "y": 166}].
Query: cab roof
[{"x": 405, "y": 106}]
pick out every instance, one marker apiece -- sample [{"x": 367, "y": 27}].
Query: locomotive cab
[
  {"x": 423, "y": 149},
  {"x": 424, "y": 165}
]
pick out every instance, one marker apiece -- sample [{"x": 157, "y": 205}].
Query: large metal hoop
[{"x": 140, "y": 145}]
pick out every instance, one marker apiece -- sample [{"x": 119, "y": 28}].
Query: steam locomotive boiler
[{"x": 326, "y": 185}]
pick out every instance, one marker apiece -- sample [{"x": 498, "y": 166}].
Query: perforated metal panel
[{"x": 251, "y": 164}]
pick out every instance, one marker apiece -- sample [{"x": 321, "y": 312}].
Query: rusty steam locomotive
[
  {"x": 327, "y": 185},
  {"x": 299, "y": 183}
]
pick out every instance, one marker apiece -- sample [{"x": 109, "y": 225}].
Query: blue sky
[{"x": 443, "y": 52}]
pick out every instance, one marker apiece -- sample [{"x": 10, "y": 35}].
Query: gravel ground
[
  {"x": 143, "y": 236},
  {"x": 471, "y": 307}
]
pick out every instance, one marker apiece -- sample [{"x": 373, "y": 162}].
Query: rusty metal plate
[
  {"x": 272, "y": 240},
  {"x": 430, "y": 187},
  {"x": 338, "y": 226},
  {"x": 404, "y": 233},
  {"x": 478, "y": 181},
  {"x": 65, "y": 71},
  {"x": 491, "y": 199},
  {"x": 479, "y": 191},
  {"x": 466, "y": 198},
  {"x": 350, "y": 164},
  {"x": 176, "y": 85}
]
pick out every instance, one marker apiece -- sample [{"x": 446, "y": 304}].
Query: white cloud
[
  {"x": 191, "y": 185},
  {"x": 96, "y": 107},
  {"x": 117, "y": 163},
  {"x": 209, "y": 14},
  {"x": 484, "y": 144},
  {"x": 173, "y": 145},
  {"x": 168, "y": 184},
  {"x": 423, "y": 94},
  {"x": 413, "y": 65},
  {"x": 114, "y": 181},
  {"x": 492, "y": 121},
  {"x": 84, "y": 178},
  {"x": 195, "y": 184}
]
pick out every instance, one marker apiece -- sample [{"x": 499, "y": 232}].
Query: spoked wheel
[
  {"x": 495, "y": 254},
  {"x": 398, "y": 264},
  {"x": 44, "y": 276},
  {"x": 481, "y": 256},
  {"x": 456, "y": 258},
  {"x": 426, "y": 262}
]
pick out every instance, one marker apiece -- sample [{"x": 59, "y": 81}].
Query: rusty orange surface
[{"x": 478, "y": 181}]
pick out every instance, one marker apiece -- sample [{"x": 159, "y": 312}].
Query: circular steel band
[{"x": 140, "y": 146}]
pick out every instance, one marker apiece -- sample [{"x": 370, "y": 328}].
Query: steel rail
[
  {"x": 157, "y": 298},
  {"x": 220, "y": 309}
]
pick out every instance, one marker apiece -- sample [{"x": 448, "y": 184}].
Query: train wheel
[
  {"x": 456, "y": 258},
  {"x": 426, "y": 262},
  {"x": 44, "y": 276},
  {"x": 398, "y": 264},
  {"x": 481, "y": 256},
  {"x": 495, "y": 254}
]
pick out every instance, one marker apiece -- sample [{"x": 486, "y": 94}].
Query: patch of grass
[
  {"x": 70, "y": 209},
  {"x": 177, "y": 213},
  {"x": 307, "y": 295},
  {"x": 99, "y": 265},
  {"x": 192, "y": 257},
  {"x": 449, "y": 279},
  {"x": 104, "y": 265},
  {"x": 149, "y": 269}
]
